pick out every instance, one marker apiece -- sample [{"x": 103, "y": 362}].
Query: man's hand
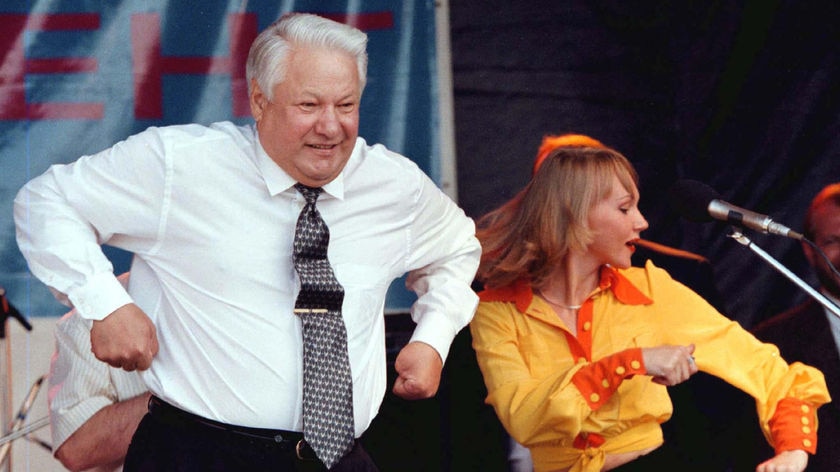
[
  {"x": 418, "y": 367},
  {"x": 126, "y": 338}
]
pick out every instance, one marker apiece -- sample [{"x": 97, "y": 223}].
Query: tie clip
[{"x": 310, "y": 310}]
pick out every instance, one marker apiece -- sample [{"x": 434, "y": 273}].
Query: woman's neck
[{"x": 571, "y": 283}]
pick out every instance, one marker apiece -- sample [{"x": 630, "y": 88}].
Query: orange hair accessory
[{"x": 552, "y": 142}]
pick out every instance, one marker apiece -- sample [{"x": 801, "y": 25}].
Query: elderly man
[{"x": 263, "y": 255}]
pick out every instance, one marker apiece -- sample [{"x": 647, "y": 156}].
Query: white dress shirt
[{"x": 210, "y": 219}]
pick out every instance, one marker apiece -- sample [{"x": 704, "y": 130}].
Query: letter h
[{"x": 148, "y": 65}]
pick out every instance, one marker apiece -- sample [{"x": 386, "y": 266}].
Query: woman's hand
[
  {"x": 786, "y": 461},
  {"x": 669, "y": 365}
]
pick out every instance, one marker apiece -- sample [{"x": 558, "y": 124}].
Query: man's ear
[{"x": 257, "y": 100}]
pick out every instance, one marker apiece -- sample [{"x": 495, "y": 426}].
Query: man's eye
[{"x": 830, "y": 241}]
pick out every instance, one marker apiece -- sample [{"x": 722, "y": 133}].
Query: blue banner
[{"x": 77, "y": 76}]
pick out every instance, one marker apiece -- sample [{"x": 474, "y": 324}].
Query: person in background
[
  {"x": 94, "y": 408},
  {"x": 809, "y": 333},
  {"x": 210, "y": 214},
  {"x": 577, "y": 347}
]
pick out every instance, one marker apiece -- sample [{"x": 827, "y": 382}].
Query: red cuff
[
  {"x": 794, "y": 426},
  {"x": 598, "y": 381}
]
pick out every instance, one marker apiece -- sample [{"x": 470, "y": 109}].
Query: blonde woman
[{"x": 577, "y": 347}]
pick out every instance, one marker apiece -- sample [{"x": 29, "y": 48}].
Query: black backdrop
[{"x": 741, "y": 95}]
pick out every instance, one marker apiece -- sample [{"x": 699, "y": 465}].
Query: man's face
[
  {"x": 310, "y": 127},
  {"x": 826, "y": 237}
]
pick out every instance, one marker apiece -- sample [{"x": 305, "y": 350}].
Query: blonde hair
[{"x": 534, "y": 231}]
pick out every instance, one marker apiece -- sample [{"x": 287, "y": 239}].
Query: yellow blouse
[{"x": 571, "y": 398}]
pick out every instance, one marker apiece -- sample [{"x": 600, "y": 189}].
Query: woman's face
[{"x": 616, "y": 224}]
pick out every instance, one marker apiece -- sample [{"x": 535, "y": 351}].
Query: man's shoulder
[
  {"x": 378, "y": 154},
  {"x": 196, "y": 131},
  {"x": 382, "y": 168}
]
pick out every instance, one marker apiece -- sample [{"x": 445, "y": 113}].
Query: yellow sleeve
[{"x": 787, "y": 395}]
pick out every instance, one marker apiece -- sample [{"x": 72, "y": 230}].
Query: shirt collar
[
  {"x": 278, "y": 181},
  {"x": 522, "y": 295}
]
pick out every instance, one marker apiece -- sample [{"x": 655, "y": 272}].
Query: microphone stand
[
  {"x": 5, "y": 448},
  {"x": 737, "y": 235},
  {"x": 7, "y": 310},
  {"x": 26, "y": 431}
]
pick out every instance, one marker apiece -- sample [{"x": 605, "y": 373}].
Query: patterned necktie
[{"x": 327, "y": 383}]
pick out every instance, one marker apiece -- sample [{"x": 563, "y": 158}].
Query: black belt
[{"x": 288, "y": 441}]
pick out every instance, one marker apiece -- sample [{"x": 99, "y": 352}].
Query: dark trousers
[{"x": 172, "y": 440}]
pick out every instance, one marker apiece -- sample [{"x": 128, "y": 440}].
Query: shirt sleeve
[
  {"x": 63, "y": 217},
  {"x": 79, "y": 384},
  {"x": 540, "y": 406},
  {"x": 787, "y": 395},
  {"x": 442, "y": 263}
]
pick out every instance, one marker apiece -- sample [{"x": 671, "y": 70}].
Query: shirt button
[
  {"x": 595, "y": 397},
  {"x": 805, "y": 408},
  {"x": 635, "y": 365},
  {"x": 805, "y": 420},
  {"x": 806, "y": 430},
  {"x": 587, "y": 326},
  {"x": 620, "y": 370},
  {"x": 806, "y": 442},
  {"x": 605, "y": 383}
]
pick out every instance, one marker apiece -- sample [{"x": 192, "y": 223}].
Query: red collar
[{"x": 522, "y": 295}]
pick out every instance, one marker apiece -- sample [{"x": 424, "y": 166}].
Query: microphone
[{"x": 698, "y": 202}]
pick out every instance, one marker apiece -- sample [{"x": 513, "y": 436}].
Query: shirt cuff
[
  {"x": 99, "y": 297},
  {"x": 598, "y": 381},
  {"x": 65, "y": 421},
  {"x": 435, "y": 330},
  {"x": 794, "y": 426}
]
